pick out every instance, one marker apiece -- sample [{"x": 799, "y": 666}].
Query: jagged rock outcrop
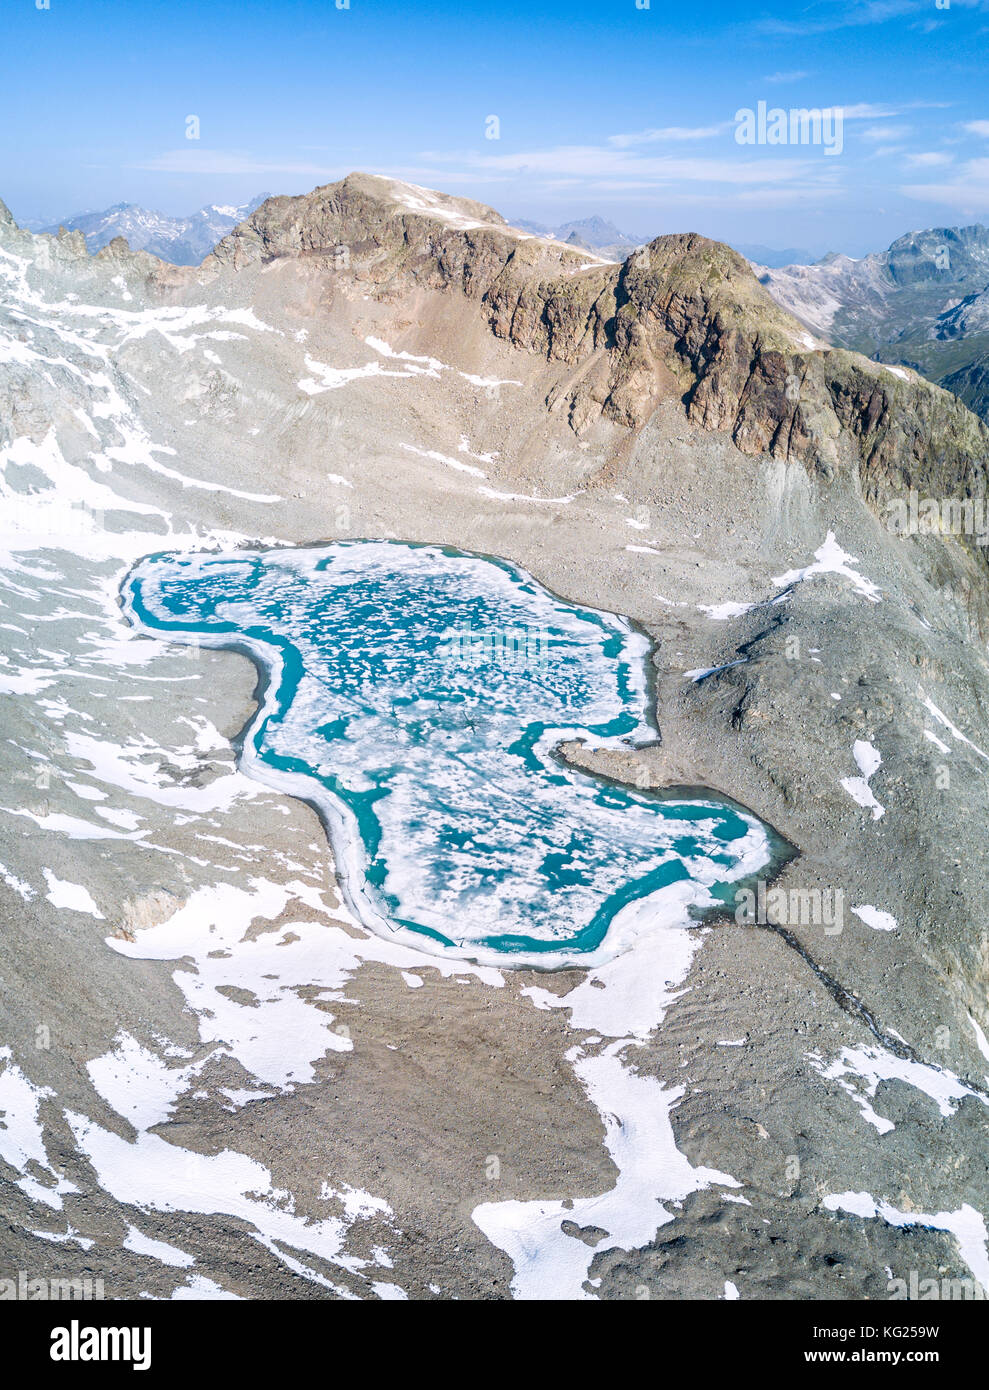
[{"x": 683, "y": 317}]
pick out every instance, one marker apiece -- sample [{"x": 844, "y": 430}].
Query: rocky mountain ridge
[{"x": 684, "y": 318}]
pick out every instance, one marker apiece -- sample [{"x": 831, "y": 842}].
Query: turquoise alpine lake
[{"x": 416, "y": 695}]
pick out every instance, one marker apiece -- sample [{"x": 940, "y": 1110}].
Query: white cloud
[
  {"x": 977, "y": 128},
  {"x": 866, "y": 111},
  {"x": 968, "y": 192},
  {"x": 880, "y": 133},
  {"x": 783, "y": 197},
  {"x": 855, "y": 15},
  {"x": 582, "y": 162},
  {"x": 195, "y": 161},
  {"x": 926, "y": 159},
  {"x": 702, "y": 195},
  {"x": 668, "y": 133},
  {"x": 786, "y": 77}
]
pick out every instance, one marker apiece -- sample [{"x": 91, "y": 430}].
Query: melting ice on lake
[{"x": 416, "y": 695}]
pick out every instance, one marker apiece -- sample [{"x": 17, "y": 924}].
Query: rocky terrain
[
  {"x": 920, "y": 304},
  {"x": 213, "y": 1081}
]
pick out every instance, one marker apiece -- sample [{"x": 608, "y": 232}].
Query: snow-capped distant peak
[{"x": 180, "y": 240}]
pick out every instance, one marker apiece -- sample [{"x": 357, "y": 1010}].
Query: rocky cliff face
[
  {"x": 971, "y": 385},
  {"x": 684, "y": 318}
]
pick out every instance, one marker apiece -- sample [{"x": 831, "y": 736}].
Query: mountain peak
[
  {"x": 177, "y": 240},
  {"x": 596, "y": 232},
  {"x": 373, "y": 208}
]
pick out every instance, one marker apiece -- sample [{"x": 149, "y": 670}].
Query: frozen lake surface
[{"x": 416, "y": 695}]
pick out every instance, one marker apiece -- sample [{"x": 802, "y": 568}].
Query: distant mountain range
[
  {"x": 603, "y": 237},
  {"x": 768, "y": 257},
  {"x": 180, "y": 240},
  {"x": 589, "y": 234},
  {"x": 922, "y": 303}
]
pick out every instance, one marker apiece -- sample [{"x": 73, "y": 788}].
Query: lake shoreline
[{"x": 666, "y": 909}]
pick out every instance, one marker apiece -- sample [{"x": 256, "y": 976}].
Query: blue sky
[{"x": 603, "y": 107}]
